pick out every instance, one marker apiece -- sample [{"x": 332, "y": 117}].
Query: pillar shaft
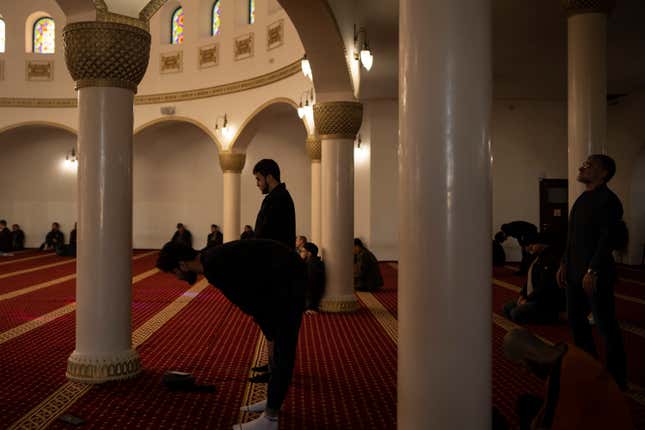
[
  {"x": 315, "y": 154},
  {"x": 587, "y": 88},
  {"x": 107, "y": 61},
  {"x": 444, "y": 365},
  {"x": 232, "y": 165}
]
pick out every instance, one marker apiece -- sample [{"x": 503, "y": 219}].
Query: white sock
[
  {"x": 261, "y": 423},
  {"x": 255, "y": 407}
]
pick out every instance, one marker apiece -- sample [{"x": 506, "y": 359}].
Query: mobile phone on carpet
[{"x": 71, "y": 419}]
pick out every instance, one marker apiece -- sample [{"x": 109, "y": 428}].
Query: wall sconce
[
  {"x": 362, "y": 51},
  {"x": 360, "y": 153},
  {"x": 306, "y": 108},
  {"x": 70, "y": 158},
  {"x": 224, "y": 129},
  {"x": 306, "y": 68}
]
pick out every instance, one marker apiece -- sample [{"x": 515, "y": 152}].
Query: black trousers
[
  {"x": 601, "y": 304},
  {"x": 282, "y": 327}
]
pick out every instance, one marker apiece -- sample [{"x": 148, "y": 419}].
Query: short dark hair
[
  {"x": 266, "y": 167},
  {"x": 358, "y": 242},
  {"x": 179, "y": 225},
  {"x": 172, "y": 253},
  {"x": 56, "y": 224},
  {"x": 215, "y": 225},
  {"x": 500, "y": 236},
  {"x": 3, "y": 222},
  {"x": 311, "y": 247},
  {"x": 607, "y": 163}
]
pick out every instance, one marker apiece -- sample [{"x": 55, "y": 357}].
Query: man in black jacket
[
  {"x": 525, "y": 233},
  {"x": 182, "y": 235},
  {"x": 540, "y": 299},
  {"x": 315, "y": 276},
  {"x": 266, "y": 280},
  {"x": 54, "y": 238},
  {"x": 5, "y": 237},
  {"x": 277, "y": 217},
  {"x": 215, "y": 238},
  {"x": 17, "y": 238},
  {"x": 588, "y": 270}
]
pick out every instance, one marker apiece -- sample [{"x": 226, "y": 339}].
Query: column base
[
  {"x": 98, "y": 368},
  {"x": 339, "y": 304}
]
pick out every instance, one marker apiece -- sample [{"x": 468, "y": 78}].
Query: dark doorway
[{"x": 553, "y": 205}]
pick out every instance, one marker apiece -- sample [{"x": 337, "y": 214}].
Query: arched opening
[
  {"x": 176, "y": 178},
  {"x": 40, "y": 33},
  {"x": 41, "y": 183}
]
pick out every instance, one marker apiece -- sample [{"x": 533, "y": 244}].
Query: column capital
[
  {"x": 232, "y": 162},
  {"x": 106, "y": 54},
  {"x": 313, "y": 147},
  {"x": 338, "y": 120},
  {"x": 577, "y": 7}
]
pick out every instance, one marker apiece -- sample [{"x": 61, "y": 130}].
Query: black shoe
[
  {"x": 263, "y": 368},
  {"x": 262, "y": 378}
]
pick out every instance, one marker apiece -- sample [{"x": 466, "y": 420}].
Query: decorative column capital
[
  {"x": 106, "y": 54},
  {"x": 338, "y": 120},
  {"x": 232, "y": 162},
  {"x": 577, "y": 7},
  {"x": 313, "y": 147}
]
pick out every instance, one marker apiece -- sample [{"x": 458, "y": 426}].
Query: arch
[
  {"x": 178, "y": 118},
  {"x": 216, "y": 18},
  {"x": 30, "y": 25},
  {"x": 3, "y": 34},
  {"x": 279, "y": 100},
  {"x": 39, "y": 124},
  {"x": 177, "y": 26},
  {"x": 44, "y": 36},
  {"x": 251, "y": 12}
]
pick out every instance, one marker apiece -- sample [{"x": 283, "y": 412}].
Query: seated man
[
  {"x": 248, "y": 233},
  {"x": 499, "y": 256},
  {"x": 540, "y": 299},
  {"x": 579, "y": 393},
  {"x": 215, "y": 238},
  {"x": 68, "y": 250},
  {"x": 17, "y": 238},
  {"x": 315, "y": 276},
  {"x": 300, "y": 242},
  {"x": 524, "y": 232},
  {"x": 266, "y": 280},
  {"x": 54, "y": 238},
  {"x": 182, "y": 235},
  {"x": 367, "y": 273},
  {"x": 5, "y": 237}
]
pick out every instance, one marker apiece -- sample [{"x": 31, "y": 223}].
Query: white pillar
[
  {"x": 587, "y": 84},
  {"x": 106, "y": 90},
  {"x": 337, "y": 124},
  {"x": 232, "y": 165},
  {"x": 314, "y": 150},
  {"x": 444, "y": 365}
]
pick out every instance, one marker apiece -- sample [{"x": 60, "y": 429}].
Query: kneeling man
[{"x": 266, "y": 280}]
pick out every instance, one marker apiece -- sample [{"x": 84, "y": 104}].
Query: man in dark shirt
[
  {"x": 524, "y": 232},
  {"x": 54, "y": 238},
  {"x": 315, "y": 276},
  {"x": 499, "y": 256},
  {"x": 248, "y": 233},
  {"x": 266, "y": 280},
  {"x": 277, "y": 217},
  {"x": 5, "y": 237},
  {"x": 367, "y": 273},
  {"x": 588, "y": 270},
  {"x": 215, "y": 238},
  {"x": 17, "y": 238},
  {"x": 182, "y": 235}
]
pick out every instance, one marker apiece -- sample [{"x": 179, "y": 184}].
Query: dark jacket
[
  {"x": 315, "y": 282},
  {"x": 18, "y": 239},
  {"x": 367, "y": 273},
  {"x": 593, "y": 221},
  {"x": 523, "y": 231},
  {"x": 214, "y": 239},
  {"x": 546, "y": 292},
  {"x": 186, "y": 237},
  {"x": 261, "y": 277},
  {"x": 5, "y": 240},
  {"x": 277, "y": 217},
  {"x": 54, "y": 239},
  {"x": 499, "y": 256}
]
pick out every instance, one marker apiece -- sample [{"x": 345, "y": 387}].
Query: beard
[{"x": 190, "y": 277}]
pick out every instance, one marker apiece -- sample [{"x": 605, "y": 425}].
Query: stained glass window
[
  {"x": 2, "y": 28},
  {"x": 177, "y": 26},
  {"x": 216, "y": 19},
  {"x": 44, "y": 36},
  {"x": 251, "y": 11}
]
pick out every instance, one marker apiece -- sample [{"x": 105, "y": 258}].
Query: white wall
[
  {"x": 177, "y": 178},
  {"x": 282, "y": 138},
  {"x": 637, "y": 212},
  {"x": 37, "y": 190}
]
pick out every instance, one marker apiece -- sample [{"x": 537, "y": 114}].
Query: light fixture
[
  {"x": 306, "y": 108},
  {"x": 224, "y": 129},
  {"x": 306, "y": 67},
  {"x": 364, "y": 53},
  {"x": 70, "y": 158}
]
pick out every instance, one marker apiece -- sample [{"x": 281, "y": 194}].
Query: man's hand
[
  {"x": 521, "y": 300},
  {"x": 561, "y": 276},
  {"x": 589, "y": 282}
]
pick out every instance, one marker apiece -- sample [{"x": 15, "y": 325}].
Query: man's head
[
  {"x": 308, "y": 251},
  {"x": 500, "y": 237},
  {"x": 180, "y": 227},
  {"x": 180, "y": 259},
  {"x": 597, "y": 169},
  {"x": 524, "y": 348},
  {"x": 248, "y": 228},
  {"x": 300, "y": 241},
  {"x": 15, "y": 227},
  {"x": 3, "y": 224},
  {"x": 267, "y": 175},
  {"x": 358, "y": 245},
  {"x": 214, "y": 228},
  {"x": 55, "y": 226}
]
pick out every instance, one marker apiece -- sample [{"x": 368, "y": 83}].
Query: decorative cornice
[
  {"x": 232, "y": 162},
  {"x": 338, "y": 120},
  {"x": 95, "y": 370},
  {"x": 201, "y": 93},
  {"x": 577, "y": 7},
  {"x": 313, "y": 147},
  {"x": 150, "y": 9},
  {"x": 339, "y": 306},
  {"x": 106, "y": 54}
]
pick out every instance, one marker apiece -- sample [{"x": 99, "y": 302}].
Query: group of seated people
[
  {"x": 214, "y": 238},
  {"x": 11, "y": 240},
  {"x": 14, "y": 240}
]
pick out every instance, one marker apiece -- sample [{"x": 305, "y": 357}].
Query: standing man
[
  {"x": 266, "y": 280},
  {"x": 588, "y": 270},
  {"x": 276, "y": 220}
]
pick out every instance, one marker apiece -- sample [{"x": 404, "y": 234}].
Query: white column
[
  {"x": 106, "y": 90},
  {"x": 232, "y": 165},
  {"x": 587, "y": 84},
  {"x": 337, "y": 124},
  {"x": 444, "y": 365},
  {"x": 314, "y": 151}
]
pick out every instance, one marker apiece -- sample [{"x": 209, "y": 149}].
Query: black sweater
[{"x": 277, "y": 217}]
